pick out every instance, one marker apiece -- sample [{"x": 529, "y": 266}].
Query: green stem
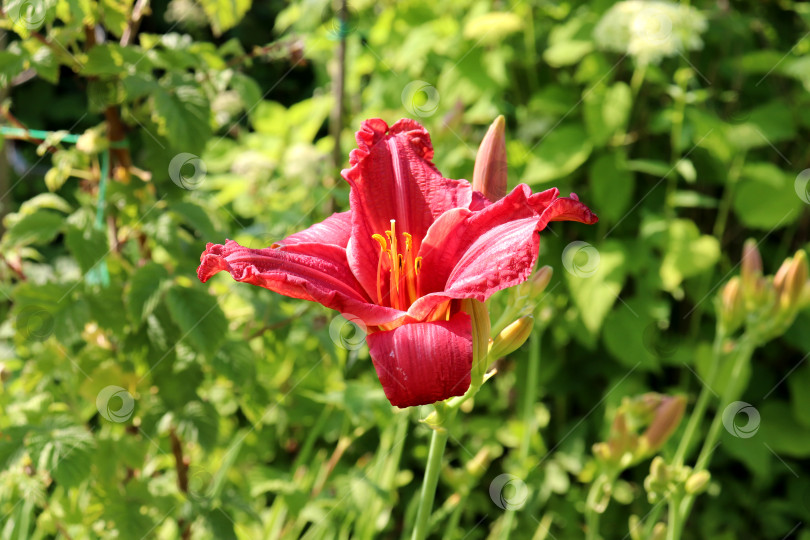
[
  {"x": 703, "y": 401},
  {"x": 529, "y": 424},
  {"x": 434, "y": 465},
  {"x": 730, "y": 393},
  {"x": 674, "y": 524},
  {"x": 592, "y": 515}
]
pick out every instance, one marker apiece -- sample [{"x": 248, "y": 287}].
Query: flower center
[{"x": 401, "y": 269}]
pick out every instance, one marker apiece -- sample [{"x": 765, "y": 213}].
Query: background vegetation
[{"x": 137, "y": 403}]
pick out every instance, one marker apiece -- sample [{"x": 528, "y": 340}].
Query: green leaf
[
  {"x": 595, "y": 276},
  {"x": 780, "y": 430},
  {"x": 50, "y": 201},
  {"x": 688, "y": 253},
  {"x": 145, "y": 290},
  {"x": 766, "y": 197},
  {"x": 182, "y": 117},
  {"x": 798, "y": 383},
  {"x": 38, "y": 228},
  {"x": 558, "y": 154},
  {"x": 201, "y": 321},
  {"x": 624, "y": 335},
  {"x": 197, "y": 422},
  {"x": 112, "y": 59},
  {"x": 224, "y": 14},
  {"x": 492, "y": 27},
  {"x": 612, "y": 186},
  {"x": 11, "y": 65},
  {"x": 65, "y": 451},
  {"x": 765, "y": 126},
  {"x": 566, "y": 53},
  {"x": 606, "y": 111},
  {"x": 195, "y": 216},
  {"x": 87, "y": 245}
]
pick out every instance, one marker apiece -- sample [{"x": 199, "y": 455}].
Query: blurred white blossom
[{"x": 649, "y": 30}]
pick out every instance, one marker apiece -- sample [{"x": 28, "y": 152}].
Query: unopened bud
[
  {"x": 478, "y": 464},
  {"x": 602, "y": 451},
  {"x": 659, "y": 532},
  {"x": 512, "y": 337},
  {"x": 480, "y": 333},
  {"x": 751, "y": 264},
  {"x": 794, "y": 281},
  {"x": 658, "y": 470},
  {"x": 537, "y": 283},
  {"x": 732, "y": 304},
  {"x": 5, "y": 374},
  {"x": 668, "y": 416},
  {"x": 635, "y": 527},
  {"x": 489, "y": 173},
  {"x": 697, "y": 482}
]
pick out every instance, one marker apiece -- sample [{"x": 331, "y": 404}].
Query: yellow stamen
[
  {"x": 394, "y": 266},
  {"x": 383, "y": 245}
]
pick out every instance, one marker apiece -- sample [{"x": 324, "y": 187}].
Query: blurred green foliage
[{"x": 136, "y": 402}]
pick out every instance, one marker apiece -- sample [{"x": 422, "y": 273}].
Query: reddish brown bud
[{"x": 490, "y": 172}]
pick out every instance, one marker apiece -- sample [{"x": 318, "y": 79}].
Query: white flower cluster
[{"x": 649, "y": 30}]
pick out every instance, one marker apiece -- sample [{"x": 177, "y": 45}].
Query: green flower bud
[
  {"x": 697, "y": 482},
  {"x": 511, "y": 337}
]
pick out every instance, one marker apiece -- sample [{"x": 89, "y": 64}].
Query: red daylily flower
[{"x": 410, "y": 248}]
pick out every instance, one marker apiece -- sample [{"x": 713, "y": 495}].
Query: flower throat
[{"x": 403, "y": 269}]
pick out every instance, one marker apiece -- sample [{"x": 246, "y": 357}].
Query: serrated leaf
[
  {"x": 34, "y": 229},
  {"x": 182, "y": 117},
  {"x": 66, "y": 452},
  {"x": 87, "y": 245},
  {"x": 145, "y": 290},
  {"x": 201, "y": 320},
  {"x": 224, "y": 14},
  {"x": 112, "y": 59},
  {"x": 195, "y": 216}
]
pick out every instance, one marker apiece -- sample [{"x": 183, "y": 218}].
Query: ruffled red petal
[
  {"x": 316, "y": 272},
  {"x": 392, "y": 177},
  {"x": 422, "y": 363}
]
